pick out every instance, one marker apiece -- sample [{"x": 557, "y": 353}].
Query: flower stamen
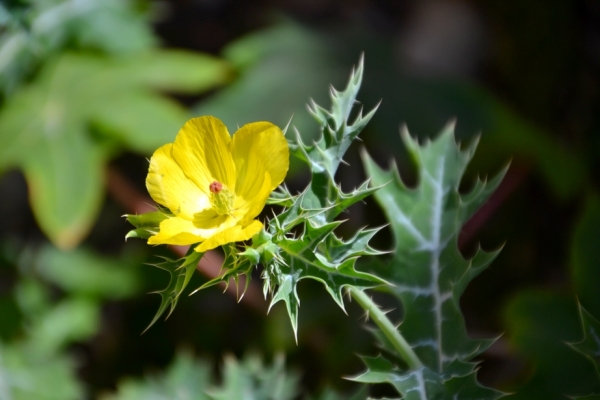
[
  {"x": 215, "y": 187},
  {"x": 221, "y": 198}
]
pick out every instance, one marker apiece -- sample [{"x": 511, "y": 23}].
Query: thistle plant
[{"x": 210, "y": 187}]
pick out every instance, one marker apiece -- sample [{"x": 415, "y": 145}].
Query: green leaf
[
  {"x": 285, "y": 56},
  {"x": 65, "y": 185},
  {"x": 467, "y": 387},
  {"x": 180, "y": 271},
  {"x": 314, "y": 252},
  {"x": 27, "y": 375},
  {"x": 539, "y": 326},
  {"x": 428, "y": 272},
  {"x": 187, "y": 379},
  {"x": 70, "y": 320},
  {"x": 589, "y": 346},
  {"x": 126, "y": 118},
  {"x": 178, "y": 71},
  {"x": 415, "y": 384},
  {"x": 146, "y": 224},
  {"x": 337, "y": 132},
  {"x": 301, "y": 261},
  {"x": 184, "y": 379},
  {"x": 34, "y": 32},
  {"x": 82, "y": 272},
  {"x": 81, "y": 110},
  {"x": 252, "y": 379}
]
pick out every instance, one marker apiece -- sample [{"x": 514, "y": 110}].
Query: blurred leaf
[
  {"x": 25, "y": 375},
  {"x": 32, "y": 297},
  {"x": 178, "y": 71},
  {"x": 280, "y": 69},
  {"x": 251, "y": 379},
  {"x": 303, "y": 60},
  {"x": 71, "y": 320},
  {"x": 46, "y": 128},
  {"x": 539, "y": 326},
  {"x": 11, "y": 320},
  {"x": 115, "y": 26},
  {"x": 424, "y": 104},
  {"x": 185, "y": 379},
  {"x": 34, "y": 31},
  {"x": 82, "y": 272},
  {"x": 585, "y": 256},
  {"x": 589, "y": 346},
  {"x": 110, "y": 25}
]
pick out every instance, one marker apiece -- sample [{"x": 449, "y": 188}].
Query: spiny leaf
[
  {"x": 180, "y": 272},
  {"x": 315, "y": 252},
  {"x": 420, "y": 384},
  {"x": 428, "y": 272},
  {"x": 337, "y": 133},
  {"x": 235, "y": 266},
  {"x": 589, "y": 346}
]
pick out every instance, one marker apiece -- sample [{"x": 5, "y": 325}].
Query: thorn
[{"x": 288, "y": 125}]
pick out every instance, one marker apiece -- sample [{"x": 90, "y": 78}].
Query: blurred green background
[{"x": 89, "y": 88}]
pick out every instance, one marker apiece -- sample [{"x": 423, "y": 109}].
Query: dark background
[{"x": 523, "y": 75}]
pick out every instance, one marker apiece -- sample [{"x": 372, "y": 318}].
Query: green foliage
[
  {"x": 86, "y": 278},
  {"x": 303, "y": 60},
  {"x": 428, "y": 273},
  {"x": 540, "y": 324},
  {"x": 250, "y": 378},
  {"x": 36, "y": 31},
  {"x": 260, "y": 381},
  {"x": 86, "y": 274},
  {"x": 25, "y": 375},
  {"x": 283, "y": 56},
  {"x": 589, "y": 346},
  {"x": 304, "y": 231},
  {"x": 288, "y": 255},
  {"x": 59, "y": 296},
  {"x": 187, "y": 378},
  {"x": 180, "y": 272},
  {"x": 88, "y": 105}
]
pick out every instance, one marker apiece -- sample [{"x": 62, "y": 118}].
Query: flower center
[
  {"x": 221, "y": 198},
  {"x": 215, "y": 187}
]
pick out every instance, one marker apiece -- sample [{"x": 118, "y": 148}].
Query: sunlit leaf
[{"x": 62, "y": 128}]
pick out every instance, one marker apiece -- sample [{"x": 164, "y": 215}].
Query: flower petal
[
  {"x": 209, "y": 219},
  {"x": 236, "y": 233},
  {"x": 257, "y": 148},
  {"x": 202, "y": 149},
  {"x": 247, "y": 209},
  {"x": 178, "y": 231},
  {"x": 169, "y": 186}
]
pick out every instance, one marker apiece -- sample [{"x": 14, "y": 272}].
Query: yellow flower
[{"x": 215, "y": 185}]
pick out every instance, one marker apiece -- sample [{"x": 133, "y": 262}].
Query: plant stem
[{"x": 389, "y": 330}]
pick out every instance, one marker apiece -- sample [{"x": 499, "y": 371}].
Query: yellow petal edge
[{"x": 188, "y": 175}]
